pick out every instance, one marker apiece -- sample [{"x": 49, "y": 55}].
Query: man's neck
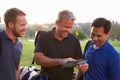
[
  {"x": 56, "y": 35},
  {"x": 10, "y": 35}
]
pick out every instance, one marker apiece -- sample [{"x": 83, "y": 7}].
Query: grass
[
  {"x": 116, "y": 44},
  {"x": 28, "y": 51}
]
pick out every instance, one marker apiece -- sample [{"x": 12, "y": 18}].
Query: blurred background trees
[{"x": 80, "y": 30}]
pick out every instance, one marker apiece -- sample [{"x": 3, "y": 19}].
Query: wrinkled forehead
[{"x": 67, "y": 22}]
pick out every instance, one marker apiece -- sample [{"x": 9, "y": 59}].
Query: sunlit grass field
[{"x": 28, "y": 50}]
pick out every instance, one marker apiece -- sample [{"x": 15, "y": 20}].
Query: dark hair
[
  {"x": 102, "y": 22},
  {"x": 11, "y": 14}
]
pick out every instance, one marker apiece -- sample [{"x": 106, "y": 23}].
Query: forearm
[
  {"x": 18, "y": 73},
  {"x": 50, "y": 62}
]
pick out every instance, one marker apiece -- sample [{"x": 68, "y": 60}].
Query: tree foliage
[
  {"x": 80, "y": 30},
  {"x": 115, "y": 34},
  {"x": 79, "y": 34}
]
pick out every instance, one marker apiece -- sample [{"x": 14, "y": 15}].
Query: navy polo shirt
[
  {"x": 9, "y": 57},
  {"x": 104, "y": 63},
  {"x": 53, "y": 48}
]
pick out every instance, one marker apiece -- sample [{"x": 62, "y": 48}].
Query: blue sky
[{"x": 45, "y": 11}]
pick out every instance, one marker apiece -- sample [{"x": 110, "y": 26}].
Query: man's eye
[{"x": 98, "y": 35}]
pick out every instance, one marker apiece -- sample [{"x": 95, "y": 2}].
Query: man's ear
[
  {"x": 57, "y": 22},
  {"x": 108, "y": 34},
  {"x": 10, "y": 24}
]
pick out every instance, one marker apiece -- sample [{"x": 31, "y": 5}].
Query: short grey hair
[{"x": 65, "y": 14}]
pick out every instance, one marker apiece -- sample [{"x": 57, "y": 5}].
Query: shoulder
[
  {"x": 20, "y": 43},
  {"x": 2, "y": 32},
  {"x": 42, "y": 34},
  {"x": 110, "y": 48},
  {"x": 73, "y": 39},
  {"x": 113, "y": 53},
  {"x": 71, "y": 36}
]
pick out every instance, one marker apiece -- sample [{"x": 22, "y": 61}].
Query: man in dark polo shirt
[
  {"x": 56, "y": 47},
  {"x": 10, "y": 47}
]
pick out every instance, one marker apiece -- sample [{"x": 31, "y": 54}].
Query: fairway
[{"x": 28, "y": 52}]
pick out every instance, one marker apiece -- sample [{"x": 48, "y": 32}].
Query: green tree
[
  {"x": 115, "y": 31},
  {"x": 79, "y": 34}
]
